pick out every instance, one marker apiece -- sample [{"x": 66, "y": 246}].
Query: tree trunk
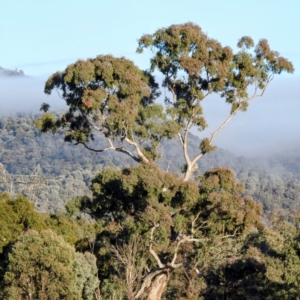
[
  {"x": 157, "y": 287},
  {"x": 189, "y": 172}
]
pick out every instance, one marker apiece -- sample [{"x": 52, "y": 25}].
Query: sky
[{"x": 42, "y": 37}]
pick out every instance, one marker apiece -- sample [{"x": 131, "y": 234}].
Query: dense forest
[{"x": 115, "y": 198}]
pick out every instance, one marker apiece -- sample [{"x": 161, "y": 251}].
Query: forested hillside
[{"x": 274, "y": 182}]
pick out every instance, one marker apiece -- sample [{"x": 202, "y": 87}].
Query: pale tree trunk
[
  {"x": 154, "y": 285},
  {"x": 155, "y": 282},
  {"x": 189, "y": 172},
  {"x": 192, "y": 167},
  {"x": 157, "y": 287},
  {"x": 192, "y": 163}
]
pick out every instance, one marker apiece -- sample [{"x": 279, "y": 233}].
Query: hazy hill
[
  {"x": 11, "y": 73},
  {"x": 275, "y": 182}
]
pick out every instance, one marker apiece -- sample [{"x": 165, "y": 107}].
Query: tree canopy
[
  {"x": 195, "y": 66},
  {"x": 113, "y": 97},
  {"x": 184, "y": 226},
  {"x": 17, "y": 215},
  {"x": 43, "y": 266}
]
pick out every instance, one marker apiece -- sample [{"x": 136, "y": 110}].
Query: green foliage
[
  {"x": 42, "y": 265},
  {"x": 17, "y": 215},
  {"x": 111, "y": 97},
  {"x": 206, "y": 147},
  {"x": 267, "y": 268},
  {"x": 223, "y": 206},
  {"x": 186, "y": 48},
  {"x": 140, "y": 186},
  {"x": 86, "y": 271},
  {"x": 47, "y": 122},
  {"x": 45, "y": 107},
  {"x": 79, "y": 233}
]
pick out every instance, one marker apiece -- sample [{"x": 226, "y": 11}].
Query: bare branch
[
  {"x": 127, "y": 256},
  {"x": 142, "y": 157},
  {"x": 137, "y": 159},
  {"x": 185, "y": 142},
  {"x": 110, "y": 142},
  {"x": 203, "y": 224},
  {"x": 173, "y": 93},
  {"x": 153, "y": 253},
  {"x": 184, "y": 239},
  {"x": 167, "y": 170},
  {"x": 194, "y": 221},
  {"x": 95, "y": 150},
  {"x": 59, "y": 95},
  {"x": 213, "y": 135},
  {"x": 198, "y": 156},
  {"x": 270, "y": 78},
  {"x": 180, "y": 138}
]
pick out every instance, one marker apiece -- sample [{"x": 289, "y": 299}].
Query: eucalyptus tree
[
  {"x": 158, "y": 230},
  {"x": 195, "y": 66},
  {"x": 113, "y": 98}
]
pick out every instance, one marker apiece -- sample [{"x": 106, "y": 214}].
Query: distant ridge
[{"x": 11, "y": 73}]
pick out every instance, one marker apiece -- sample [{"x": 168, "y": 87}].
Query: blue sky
[{"x": 41, "y": 37}]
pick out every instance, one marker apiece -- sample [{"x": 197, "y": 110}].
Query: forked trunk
[{"x": 157, "y": 287}]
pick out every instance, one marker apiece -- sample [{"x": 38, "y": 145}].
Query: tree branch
[
  {"x": 213, "y": 135},
  {"x": 137, "y": 159},
  {"x": 153, "y": 253},
  {"x": 142, "y": 157},
  {"x": 184, "y": 239},
  {"x": 173, "y": 93},
  {"x": 148, "y": 278},
  {"x": 180, "y": 138}
]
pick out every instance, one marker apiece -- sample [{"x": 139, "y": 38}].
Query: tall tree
[
  {"x": 111, "y": 97},
  {"x": 195, "y": 66}
]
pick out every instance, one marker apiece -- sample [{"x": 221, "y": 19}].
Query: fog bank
[
  {"x": 25, "y": 95},
  {"x": 270, "y": 125}
]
